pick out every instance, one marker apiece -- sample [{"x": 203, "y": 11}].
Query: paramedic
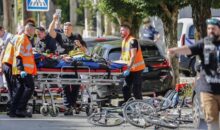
[
  {"x": 24, "y": 68},
  {"x": 132, "y": 55},
  {"x": 67, "y": 41},
  {"x": 5, "y": 38},
  {"x": 6, "y": 63},
  {"x": 208, "y": 50}
]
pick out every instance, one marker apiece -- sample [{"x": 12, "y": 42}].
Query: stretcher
[
  {"x": 4, "y": 96},
  {"x": 85, "y": 77},
  {"x": 94, "y": 76}
]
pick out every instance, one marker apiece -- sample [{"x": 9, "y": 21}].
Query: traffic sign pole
[
  {"x": 37, "y": 5},
  {"x": 38, "y": 19}
]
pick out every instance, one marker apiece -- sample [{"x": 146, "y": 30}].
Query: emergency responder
[
  {"x": 7, "y": 61},
  {"x": 132, "y": 55},
  {"x": 45, "y": 42},
  {"x": 208, "y": 50},
  {"x": 5, "y": 36},
  {"x": 67, "y": 41},
  {"x": 24, "y": 68}
]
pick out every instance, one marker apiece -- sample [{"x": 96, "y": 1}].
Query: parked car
[
  {"x": 92, "y": 41},
  {"x": 157, "y": 76},
  {"x": 185, "y": 36}
]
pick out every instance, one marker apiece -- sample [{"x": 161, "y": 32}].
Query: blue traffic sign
[{"x": 37, "y": 5}]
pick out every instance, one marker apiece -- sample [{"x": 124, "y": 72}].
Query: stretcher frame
[{"x": 48, "y": 76}]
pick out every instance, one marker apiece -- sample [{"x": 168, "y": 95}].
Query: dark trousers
[
  {"x": 70, "y": 93},
  {"x": 7, "y": 70},
  {"x": 132, "y": 81},
  {"x": 25, "y": 89}
]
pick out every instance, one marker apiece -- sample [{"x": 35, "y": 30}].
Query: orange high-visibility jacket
[
  {"x": 9, "y": 51},
  {"x": 126, "y": 54},
  {"x": 23, "y": 48}
]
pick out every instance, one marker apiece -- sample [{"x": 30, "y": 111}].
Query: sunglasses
[{"x": 213, "y": 22}]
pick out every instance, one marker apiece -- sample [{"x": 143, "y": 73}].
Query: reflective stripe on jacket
[
  {"x": 23, "y": 49},
  {"x": 9, "y": 51},
  {"x": 126, "y": 54}
]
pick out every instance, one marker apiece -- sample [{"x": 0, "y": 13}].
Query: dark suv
[{"x": 157, "y": 76}]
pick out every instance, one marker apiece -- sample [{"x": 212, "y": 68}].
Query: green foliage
[
  {"x": 154, "y": 7},
  {"x": 118, "y": 8},
  {"x": 64, "y": 6},
  {"x": 215, "y": 4},
  {"x": 19, "y": 9}
]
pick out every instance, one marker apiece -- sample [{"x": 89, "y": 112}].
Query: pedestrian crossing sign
[{"x": 37, "y": 5}]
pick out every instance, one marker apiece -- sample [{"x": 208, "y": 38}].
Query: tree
[
  {"x": 122, "y": 10},
  {"x": 8, "y": 15},
  {"x": 64, "y": 6},
  {"x": 201, "y": 10}
]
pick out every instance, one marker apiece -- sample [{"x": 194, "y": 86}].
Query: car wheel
[{"x": 198, "y": 122}]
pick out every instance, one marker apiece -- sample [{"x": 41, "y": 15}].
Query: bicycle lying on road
[{"x": 112, "y": 116}]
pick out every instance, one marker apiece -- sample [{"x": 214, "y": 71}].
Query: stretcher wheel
[
  {"x": 88, "y": 110},
  {"x": 44, "y": 110},
  {"x": 54, "y": 113}
]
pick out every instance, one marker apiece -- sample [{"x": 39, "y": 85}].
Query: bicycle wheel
[
  {"x": 106, "y": 120},
  {"x": 159, "y": 103},
  {"x": 134, "y": 112},
  {"x": 162, "y": 122}
]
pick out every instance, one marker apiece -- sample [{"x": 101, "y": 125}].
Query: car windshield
[
  {"x": 150, "y": 51},
  {"x": 179, "y": 30},
  {"x": 96, "y": 50},
  {"x": 114, "y": 54}
]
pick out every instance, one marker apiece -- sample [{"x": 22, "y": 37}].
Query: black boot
[
  {"x": 68, "y": 112},
  {"x": 23, "y": 113}
]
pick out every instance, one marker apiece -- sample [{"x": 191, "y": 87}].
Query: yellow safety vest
[
  {"x": 125, "y": 55},
  {"x": 23, "y": 48},
  {"x": 9, "y": 51}
]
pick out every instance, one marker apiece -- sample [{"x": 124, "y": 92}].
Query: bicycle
[
  {"x": 136, "y": 111},
  {"x": 108, "y": 117},
  {"x": 168, "y": 119}
]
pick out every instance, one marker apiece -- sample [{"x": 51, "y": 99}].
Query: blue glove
[
  {"x": 23, "y": 74},
  {"x": 126, "y": 73}
]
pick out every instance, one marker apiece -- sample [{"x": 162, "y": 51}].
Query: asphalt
[{"x": 75, "y": 122}]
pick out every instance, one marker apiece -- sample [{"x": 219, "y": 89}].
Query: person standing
[
  {"x": 132, "y": 55},
  {"x": 24, "y": 68},
  {"x": 5, "y": 37},
  {"x": 208, "y": 49},
  {"x": 45, "y": 42},
  {"x": 149, "y": 32},
  {"x": 6, "y": 64},
  {"x": 67, "y": 41}
]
